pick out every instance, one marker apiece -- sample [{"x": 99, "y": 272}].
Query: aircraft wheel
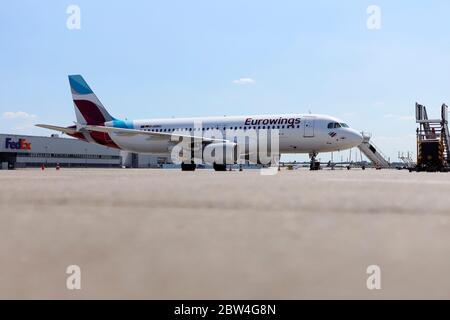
[
  {"x": 219, "y": 167},
  {"x": 188, "y": 166}
]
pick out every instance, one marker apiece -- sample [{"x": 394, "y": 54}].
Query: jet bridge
[
  {"x": 373, "y": 153},
  {"x": 433, "y": 138}
]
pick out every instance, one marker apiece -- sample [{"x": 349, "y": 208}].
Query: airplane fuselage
[{"x": 298, "y": 133}]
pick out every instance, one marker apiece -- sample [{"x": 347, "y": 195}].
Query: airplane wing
[
  {"x": 131, "y": 132},
  {"x": 127, "y": 132}
]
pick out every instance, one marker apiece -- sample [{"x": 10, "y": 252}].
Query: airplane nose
[{"x": 356, "y": 138}]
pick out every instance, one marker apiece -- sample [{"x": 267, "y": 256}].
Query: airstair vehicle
[
  {"x": 432, "y": 141},
  {"x": 373, "y": 153}
]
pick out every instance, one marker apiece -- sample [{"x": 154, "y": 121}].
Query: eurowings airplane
[{"x": 296, "y": 133}]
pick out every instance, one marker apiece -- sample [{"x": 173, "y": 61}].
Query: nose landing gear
[{"x": 314, "y": 165}]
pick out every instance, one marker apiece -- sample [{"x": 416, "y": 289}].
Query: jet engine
[{"x": 221, "y": 153}]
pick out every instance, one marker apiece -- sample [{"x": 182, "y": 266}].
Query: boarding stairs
[
  {"x": 374, "y": 154},
  {"x": 433, "y": 130},
  {"x": 445, "y": 132}
]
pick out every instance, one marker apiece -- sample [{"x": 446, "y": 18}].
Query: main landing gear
[
  {"x": 219, "y": 167},
  {"x": 188, "y": 166},
  {"x": 314, "y": 165},
  {"x": 193, "y": 166}
]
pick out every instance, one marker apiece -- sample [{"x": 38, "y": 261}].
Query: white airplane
[{"x": 296, "y": 133}]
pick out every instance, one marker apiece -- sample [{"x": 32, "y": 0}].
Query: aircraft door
[{"x": 308, "y": 125}]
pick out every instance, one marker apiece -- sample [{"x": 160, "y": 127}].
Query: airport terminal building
[
  {"x": 21, "y": 151},
  {"x": 24, "y": 151}
]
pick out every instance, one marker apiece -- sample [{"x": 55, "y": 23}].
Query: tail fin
[{"x": 88, "y": 109}]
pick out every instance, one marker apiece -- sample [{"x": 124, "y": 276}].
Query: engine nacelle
[{"x": 221, "y": 153}]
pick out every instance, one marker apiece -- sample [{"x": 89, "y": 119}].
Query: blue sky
[{"x": 149, "y": 59}]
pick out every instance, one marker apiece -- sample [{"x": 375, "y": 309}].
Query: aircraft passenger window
[
  {"x": 282, "y": 127},
  {"x": 264, "y": 127},
  {"x": 259, "y": 127}
]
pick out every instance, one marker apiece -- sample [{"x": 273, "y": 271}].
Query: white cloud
[
  {"x": 398, "y": 117},
  {"x": 18, "y": 115},
  {"x": 243, "y": 81}
]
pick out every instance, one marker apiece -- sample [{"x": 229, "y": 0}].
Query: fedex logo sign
[{"x": 22, "y": 144}]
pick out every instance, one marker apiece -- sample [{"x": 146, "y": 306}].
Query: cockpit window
[{"x": 333, "y": 125}]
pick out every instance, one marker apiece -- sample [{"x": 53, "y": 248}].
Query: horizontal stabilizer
[{"x": 56, "y": 128}]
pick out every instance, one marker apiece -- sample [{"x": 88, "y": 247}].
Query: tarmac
[{"x": 167, "y": 234}]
